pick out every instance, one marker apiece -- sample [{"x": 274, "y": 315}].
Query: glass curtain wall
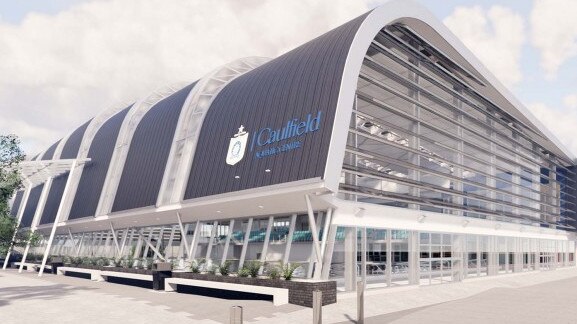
[{"x": 421, "y": 137}]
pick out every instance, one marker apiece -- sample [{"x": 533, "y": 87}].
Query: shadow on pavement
[{"x": 8, "y": 294}]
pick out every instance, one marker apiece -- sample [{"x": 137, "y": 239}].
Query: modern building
[{"x": 384, "y": 136}]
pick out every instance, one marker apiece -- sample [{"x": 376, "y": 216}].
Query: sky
[{"x": 64, "y": 61}]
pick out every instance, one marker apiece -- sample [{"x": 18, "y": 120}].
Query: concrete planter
[
  {"x": 117, "y": 269},
  {"x": 300, "y": 291}
]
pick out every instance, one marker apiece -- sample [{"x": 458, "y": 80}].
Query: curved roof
[{"x": 293, "y": 113}]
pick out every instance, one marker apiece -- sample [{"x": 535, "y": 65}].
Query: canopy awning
[{"x": 37, "y": 172}]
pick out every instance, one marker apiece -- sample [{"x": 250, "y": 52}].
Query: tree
[{"x": 10, "y": 181}]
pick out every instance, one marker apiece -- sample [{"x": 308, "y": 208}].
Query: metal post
[
  {"x": 289, "y": 239},
  {"x": 315, "y": 233},
  {"x": 19, "y": 217},
  {"x": 183, "y": 232},
  {"x": 123, "y": 244},
  {"x": 245, "y": 243},
  {"x": 169, "y": 245},
  {"x": 213, "y": 233},
  {"x": 317, "y": 307},
  {"x": 227, "y": 242},
  {"x": 364, "y": 255},
  {"x": 360, "y": 302},
  {"x": 236, "y": 315},
  {"x": 265, "y": 243},
  {"x": 115, "y": 239},
  {"x": 195, "y": 239}
]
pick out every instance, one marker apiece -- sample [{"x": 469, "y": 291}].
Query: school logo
[{"x": 237, "y": 147}]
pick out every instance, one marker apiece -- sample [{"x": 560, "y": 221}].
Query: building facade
[{"x": 382, "y": 148}]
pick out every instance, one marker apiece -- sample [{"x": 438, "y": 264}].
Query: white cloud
[
  {"x": 554, "y": 32},
  {"x": 570, "y": 101},
  {"x": 561, "y": 122},
  {"x": 57, "y": 71},
  {"x": 495, "y": 36}
]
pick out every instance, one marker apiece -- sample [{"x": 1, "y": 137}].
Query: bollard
[
  {"x": 360, "y": 302},
  {"x": 236, "y": 315},
  {"x": 317, "y": 307}
]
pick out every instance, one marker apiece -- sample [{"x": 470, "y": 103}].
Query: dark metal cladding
[
  {"x": 94, "y": 174},
  {"x": 70, "y": 149},
  {"x": 16, "y": 203},
  {"x": 303, "y": 81},
  {"x": 53, "y": 199},
  {"x": 146, "y": 160},
  {"x": 49, "y": 154},
  {"x": 31, "y": 206}
]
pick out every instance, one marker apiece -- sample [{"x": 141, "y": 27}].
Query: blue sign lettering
[{"x": 293, "y": 128}]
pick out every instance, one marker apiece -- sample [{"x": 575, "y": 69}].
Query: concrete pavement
[{"x": 516, "y": 298}]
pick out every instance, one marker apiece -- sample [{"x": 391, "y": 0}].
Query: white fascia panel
[{"x": 348, "y": 213}]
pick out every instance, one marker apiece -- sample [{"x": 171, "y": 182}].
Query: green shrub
[
  {"x": 101, "y": 261},
  {"x": 76, "y": 261},
  {"x": 146, "y": 263},
  {"x": 273, "y": 272},
  {"x": 254, "y": 268},
  {"x": 243, "y": 272},
  {"x": 212, "y": 269},
  {"x": 87, "y": 261},
  {"x": 115, "y": 262},
  {"x": 196, "y": 265},
  {"x": 127, "y": 262},
  {"x": 224, "y": 268},
  {"x": 288, "y": 270}
]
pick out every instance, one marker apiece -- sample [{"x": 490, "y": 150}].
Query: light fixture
[
  {"x": 267, "y": 170},
  {"x": 421, "y": 218},
  {"x": 261, "y": 206},
  {"x": 237, "y": 177},
  {"x": 219, "y": 211}
]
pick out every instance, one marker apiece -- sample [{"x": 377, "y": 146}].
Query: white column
[
  {"x": 314, "y": 232},
  {"x": 245, "y": 243},
  {"x": 169, "y": 245},
  {"x": 57, "y": 218},
  {"x": 313, "y": 256},
  {"x": 265, "y": 243},
  {"x": 183, "y": 231},
  {"x": 115, "y": 238},
  {"x": 195, "y": 239},
  {"x": 36, "y": 220},
  {"x": 350, "y": 258},
  {"x": 211, "y": 242},
  {"x": 289, "y": 239},
  {"x": 19, "y": 218},
  {"x": 227, "y": 243},
  {"x": 159, "y": 240},
  {"x": 328, "y": 254}
]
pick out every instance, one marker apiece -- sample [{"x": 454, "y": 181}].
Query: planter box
[
  {"x": 116, "y": 269},
  {"x": 300, "y": 291}
]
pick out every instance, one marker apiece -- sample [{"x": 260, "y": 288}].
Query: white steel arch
[
  {"x": 405, "y": 12},
  {"x": 190, "y": 123},
  {"x": 87, "y": 139},
  {"x": 131, "y": 121}
]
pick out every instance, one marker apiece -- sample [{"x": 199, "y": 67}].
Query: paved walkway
[{"x": 518, "y": 298}]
